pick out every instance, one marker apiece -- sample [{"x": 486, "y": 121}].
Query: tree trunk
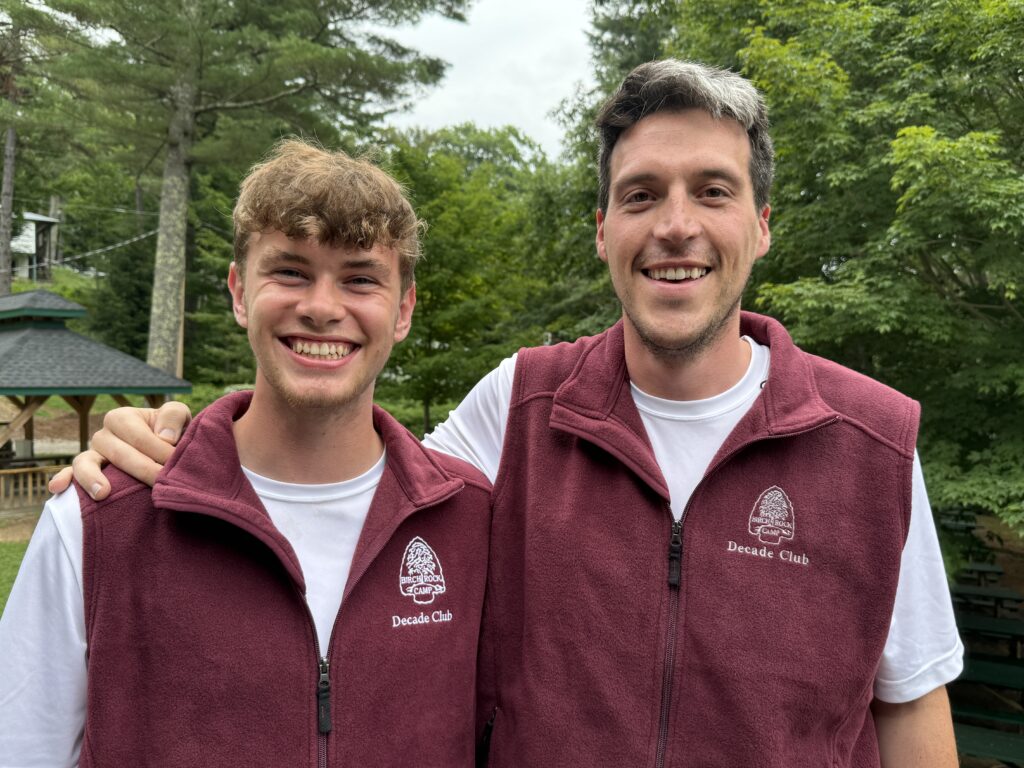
[
  {"x": 53, "y": 244},
  {"x": 7, "y": 212},
  {"x": 167, "y": 315}
]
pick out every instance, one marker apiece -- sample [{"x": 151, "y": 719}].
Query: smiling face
[
  {"x": 321, "y": 320},
  {"x": 681, "y": 233}
]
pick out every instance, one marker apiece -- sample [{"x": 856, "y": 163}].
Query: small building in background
[{"x": 34, "y": 247}]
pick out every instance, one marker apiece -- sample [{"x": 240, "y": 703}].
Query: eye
[
  {"x": 638, "y": 196},
  {"x": 362, "y": 281},
  {"x": 288, "y": 274},
  {"x": 715, "y": 193}
]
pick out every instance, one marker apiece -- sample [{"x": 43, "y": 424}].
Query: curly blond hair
[{"x": 305, "y": 191}]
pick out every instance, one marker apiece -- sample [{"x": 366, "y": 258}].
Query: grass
[{"x": 11, "y": 553}]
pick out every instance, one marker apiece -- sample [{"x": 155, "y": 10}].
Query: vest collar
[
  {"x": 209, "y": 480},
  {"x": 595, "y": 401}
]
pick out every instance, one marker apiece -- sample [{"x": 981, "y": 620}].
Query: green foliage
[
  {"x": 11, "y": 554},
  {"x": 204, "y": 394},
  {"x": 469, "y": 185},
  {"x": 410, "y": 412}
]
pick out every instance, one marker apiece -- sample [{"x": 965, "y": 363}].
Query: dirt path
[{"x": 18, "y": 528}]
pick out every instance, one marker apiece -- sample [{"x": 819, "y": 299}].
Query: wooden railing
[{"x": 25, "y": 488}]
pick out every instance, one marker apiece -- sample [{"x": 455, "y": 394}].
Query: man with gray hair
[{"x": 709, "y": 548}]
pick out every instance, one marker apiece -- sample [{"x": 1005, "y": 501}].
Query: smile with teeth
[
  {"x": 326, "y": 350},
  {"x": 676, "y": 273}
]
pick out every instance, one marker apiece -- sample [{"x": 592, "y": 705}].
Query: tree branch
[{"x": 222, "y": 105}]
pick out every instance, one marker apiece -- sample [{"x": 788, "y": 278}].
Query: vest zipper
[
  {"x": 323, "y": 710},
  {"x": 675, "y": 559},
  {"x": 323, "y": 687}
]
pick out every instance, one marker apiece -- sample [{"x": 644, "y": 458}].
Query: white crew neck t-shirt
[{"x": 323, "y": 524}]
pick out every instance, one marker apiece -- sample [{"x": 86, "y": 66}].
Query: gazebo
[{"x": 40, "y": 358}]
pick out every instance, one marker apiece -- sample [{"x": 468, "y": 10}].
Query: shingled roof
[
  {"x": 31, "y": 304},
  {"x": 39, "y": 356}
]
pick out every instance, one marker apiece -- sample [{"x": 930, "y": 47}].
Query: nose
[
  {"x": 322, "y": 303},
  {"x": 678, "y": 219}
]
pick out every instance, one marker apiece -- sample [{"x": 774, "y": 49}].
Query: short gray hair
[{"x": 673, "y": 85}]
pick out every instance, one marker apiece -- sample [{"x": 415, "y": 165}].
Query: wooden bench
[{"x": 996, "y": 627}]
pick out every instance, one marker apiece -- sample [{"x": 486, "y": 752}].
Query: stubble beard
[
  {"x": 328, "y": 403},
  {"x": 689, "y": 348}
]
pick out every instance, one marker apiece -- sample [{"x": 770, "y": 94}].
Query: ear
[
  {"x": 405, "y": 308},
  {"x": 601, "y": 253},
  {"x": 237, "y": 288},
  {"x": 765, "y": 238}
]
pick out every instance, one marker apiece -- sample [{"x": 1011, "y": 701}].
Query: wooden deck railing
[{"x": 25, "y": 488}]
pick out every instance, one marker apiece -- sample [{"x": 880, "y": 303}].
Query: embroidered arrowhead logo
[
  {"x": 421, "y": 577},
  {"x": 772, "y": 518}
]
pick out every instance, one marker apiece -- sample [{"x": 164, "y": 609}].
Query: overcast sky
[{"x": 512, "y": 63}]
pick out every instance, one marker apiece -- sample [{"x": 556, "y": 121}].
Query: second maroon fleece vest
[{"x": 750, "y": 634}]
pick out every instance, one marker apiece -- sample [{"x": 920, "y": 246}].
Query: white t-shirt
[
  {"x": 923, "y": 650},
  {"x": 43, "y": 665}
]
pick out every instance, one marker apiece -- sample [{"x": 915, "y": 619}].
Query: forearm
[{"x": 916, "y": 734}]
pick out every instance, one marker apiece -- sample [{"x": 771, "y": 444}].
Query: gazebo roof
[
  {"x": 38, "y": 303},
  {"x": 39, "y": 356},
  {"x": 55, "y": 361}
]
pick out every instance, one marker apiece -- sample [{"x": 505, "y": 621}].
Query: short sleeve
[
  {"x": 923, "y": 650},
  {"x": 475, "y": 430}
]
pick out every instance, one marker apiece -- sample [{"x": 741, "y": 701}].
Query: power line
[
  {"x": 95, "y": 251},
  {"x": 106, "y": 248}
]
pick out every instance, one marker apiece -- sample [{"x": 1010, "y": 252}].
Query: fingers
[
  {"x": 141, "y": 455},
  {"x": 60, "y": 481},
  {"x": 88, "y": 471},
  {"x": 134, "y": 428},
  {"x": 171, "y": 419},
  {"x": 138, "y": 441}
]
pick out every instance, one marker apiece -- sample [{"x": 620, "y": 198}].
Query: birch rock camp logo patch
[
  {"x": 421, "y": 577},
  {"x": 773, "y": 522},
  {"x": 772, "y": 518}
]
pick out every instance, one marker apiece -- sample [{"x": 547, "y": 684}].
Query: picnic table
[
  {"x": 996, "y": 627},
  {"x": 984, "y": 596},
  {"x": 980, "y": 573}
]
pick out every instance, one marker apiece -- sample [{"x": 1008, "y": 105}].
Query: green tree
[
  {"x": 469, "y": 185},
  {"x": 899, "y": 209},
  {"x": 21, "y": 28},
  {"x": 167, "y": 74}
]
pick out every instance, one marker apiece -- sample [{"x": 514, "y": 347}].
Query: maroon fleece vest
[
  {"x": 749, "y": 636},
  {"x": 202, "y": 651}
]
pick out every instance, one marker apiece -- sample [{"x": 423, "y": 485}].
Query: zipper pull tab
[
  {"x": 323, "y": 697},
  {"x": 675, "y": 554}
]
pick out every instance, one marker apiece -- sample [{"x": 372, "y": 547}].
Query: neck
[
  {"x": 306, "y": 445},
  {"x": 705, "y": 373}
]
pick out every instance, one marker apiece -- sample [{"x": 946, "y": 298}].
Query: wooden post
[{"x": 82, "y": 405}]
